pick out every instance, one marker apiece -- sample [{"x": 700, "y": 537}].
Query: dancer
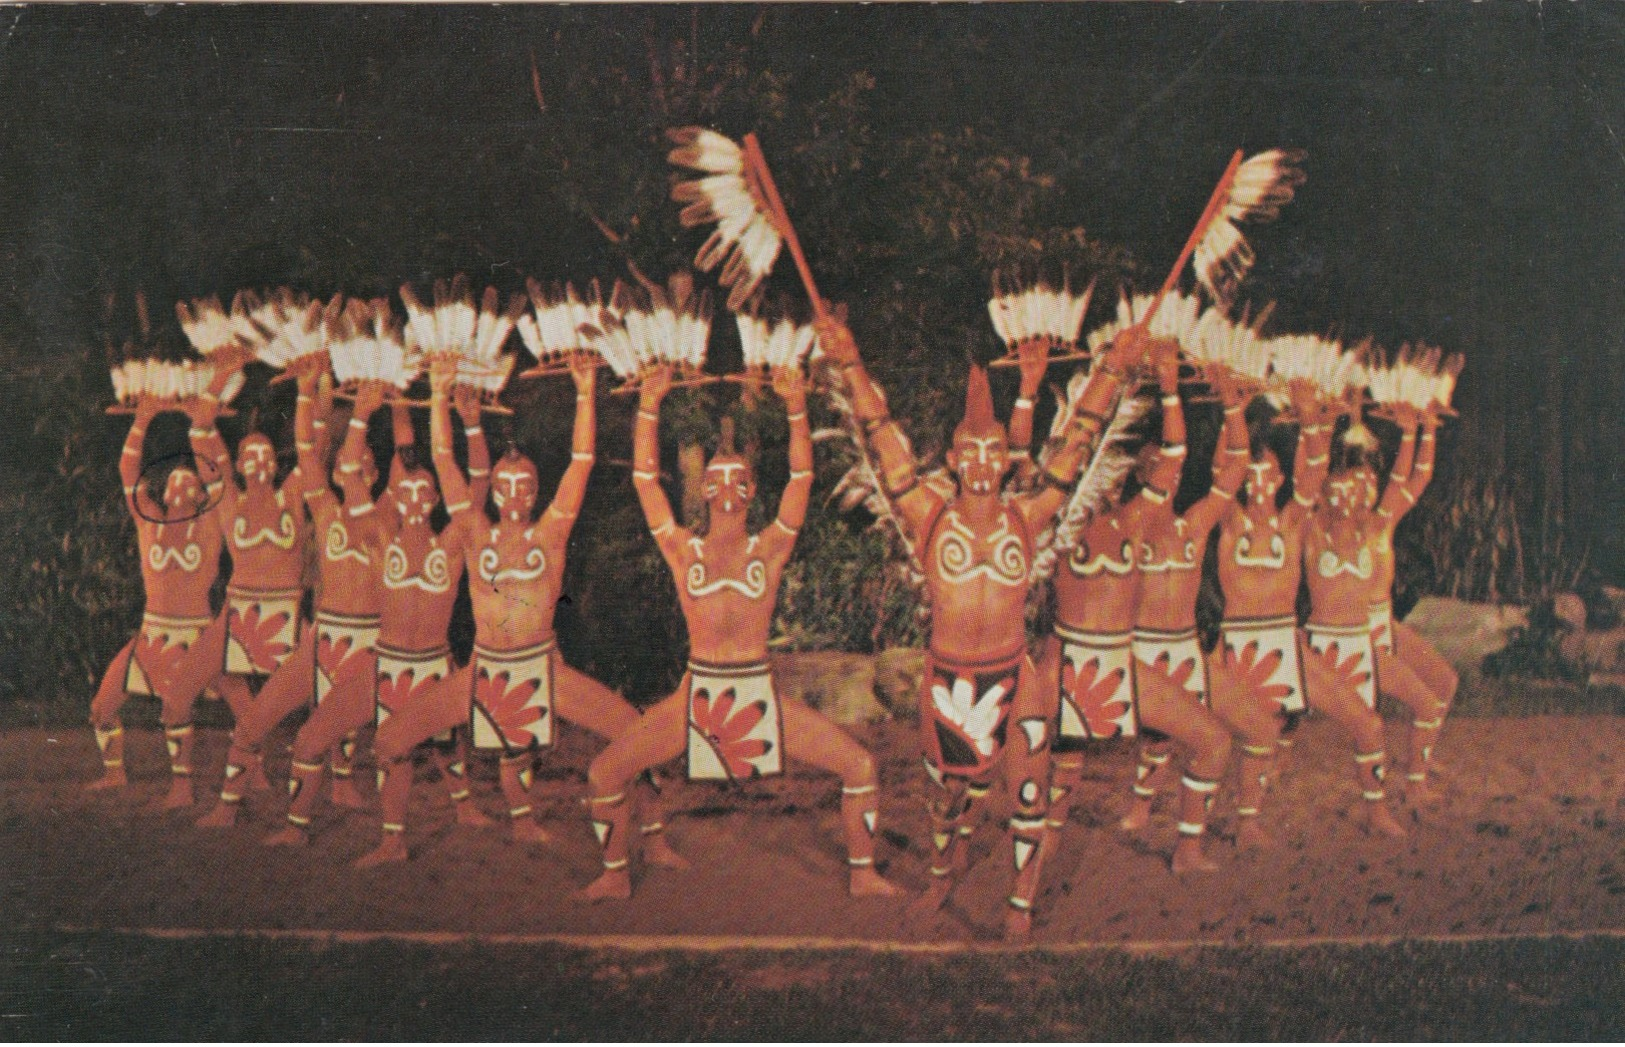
[
  {"x": 1172, "y": 676},
  {"x": 418, "y": 575},
  {"x": 346, "y": 615},
  {"x": 1260, "y": 569},
  {"x": 1408, "y": 668},
  {"x": 179, "y": 542},
  {"x": 265, "y": 526},
  {"x": 1339, "y": 667},
  {"x": 516, "y": 686},
  {"x": 977, "y": 550},
  {"x": 726, "y": 713}
]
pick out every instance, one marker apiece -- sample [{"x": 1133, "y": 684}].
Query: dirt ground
[{"x": 1527, "y": 836}]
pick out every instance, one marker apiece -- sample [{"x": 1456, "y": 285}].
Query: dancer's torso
[
  {"x": 420, "y": 575},
  {"x": 351, "y": 556},
  {"x": 727, "y": 595},
  {"x": 1097, "y": 583},
  {"x": 978, "y": 577},
  {"x": 514, "y": 576},
  {"x": 1260, "y": 562},
  {"x": 266, "y": 538},
  {"x": 179, "y": 562},
  {"x": 1169, "y": 555},
  {"x": 1340, "y": 567}
]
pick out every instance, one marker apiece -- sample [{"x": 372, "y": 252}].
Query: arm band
[
  {"x": 651, "y": 415},
  {"x": 1024, "y": 402},
  {"x": 358, "y": 423},
  {"x": 1170, "y": 399},
  {"x": 796, "y": 417},
  {"x": 641, "y": 474},
  {"x": 472, "y": 430},
  {"x": 800, "y": 474},
  {"x": 581, "y": 456}
]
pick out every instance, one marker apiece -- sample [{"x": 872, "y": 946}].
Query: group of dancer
[{"x": 1124, "y": 659}]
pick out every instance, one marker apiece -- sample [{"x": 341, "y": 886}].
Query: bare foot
[
  {"x": 224, "y": 816},
  {"x": 658, "y": 851},
  {"x": 930, "y": 900},
  {"x": 1018, "y": 924},
  {"x": 109, "y": 780},
  {"x": 867, "y": 883},
  {"x": 468, "y": 814},
  {"x": 1378, "y": 821},
  {"x": 1189, "y": 857},
  {"x": 614, "y": 883},
  {"x": 179, "y": 796},
  {"x": 391, "y": 849},
  {"x": 1138, "y": 816},
  {"x": 1252, "y": 836},
  {"x": 346, "y": 795},
  {"x": 525, "y": 830},
  {"x": 288, "y": 836}
]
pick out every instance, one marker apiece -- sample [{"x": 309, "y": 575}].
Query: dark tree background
[{"x": 1466, "y": 187}]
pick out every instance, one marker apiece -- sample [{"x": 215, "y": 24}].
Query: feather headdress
[
  {"x": 1260, "y": 188},
  {"x": 1037, "y": 311},
  {"x": 135, "y": 380},
  {"x": 746, "y": 240},
  {"x": 639, "y": 330},
  {"x": 365, "y": 344}
]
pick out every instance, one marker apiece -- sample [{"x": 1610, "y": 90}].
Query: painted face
[
  {"x": 513, "y": 487},
  {"x": 183, "y": 492},
  {"x": 1264, "y": 479},
  {"x": 256, "y": 459},
  {"x": 980, "y": 462},
  {"x": 415, "y": 496},
  {"x": 728, "y": 485},
  {"x": 1366, "y": 494},
  {"x": 1342, "y": 493}
]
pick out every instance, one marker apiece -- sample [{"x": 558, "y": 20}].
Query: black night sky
[{"x": 1466, "y": 167}]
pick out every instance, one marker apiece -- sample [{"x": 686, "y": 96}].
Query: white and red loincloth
[
  {"x": 158, "y": 650},
  {"x": 1263, "y": 652},
  {"x": 735, "y": 725},
  {"x": 965, "y": 711},
  {"x": 1382, "y": 626},
  {"x": 1096, "y": 685},
  {"x": 345, "y": 644},
  {"x": 1176, "y": 655},
  {"x": 512, "y": 706},
  {"x": 403, "y": 675},
  {"x": 262, "y": 628},
  {"x": 1348, "y": 654}
]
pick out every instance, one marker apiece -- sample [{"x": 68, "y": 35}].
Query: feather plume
[
  {"x": 135, "y": 380},
  {"x": 1037, "y": 311},
  {"x": 1262, "y": 186},
  {"x": 638, "y": 330},
  {"x": 365, "y": 343},
  {"x": 1178, "y": 319},
  {"x": 774, "y": 344},
  {"x": 745, "y": 241}
]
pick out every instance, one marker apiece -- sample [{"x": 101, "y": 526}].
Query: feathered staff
[
  {"x": 641, "y": 330},
  {"x": 1037, "y": 312},
  {"x": 476, "y": 336},
  {"x": 365, "y": 344},
  {"x": 1252, "y": 191},
  {"x": 136, "y": 380},
  {"x": 553, "y": 331},
  {"x": 737, "y": 192}
]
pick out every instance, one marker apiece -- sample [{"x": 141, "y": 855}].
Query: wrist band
[
  {"x": 304, "y": 398},
  {"x": 644, "y": 474},
  {"x": 651, "y": 415},
  {"x": 796, "y": 417},
  {"x": 1234, "y": 408},
  {"x": 1173, "y": 450},
  {"x": 581, "y": 456},
  {"x": 472, "y": 430},
  {"x": 319, "y": 423},
  {"x": 800, "y": 474},
  {"x": 304, "y": 445},
  {"x": 1024, "y": 402},
  {"x": 357, "y": 423},
  {"x": 1170, "y": 399},
  {"x": 197, "y": 432}
]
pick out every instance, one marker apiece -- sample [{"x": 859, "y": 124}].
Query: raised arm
[
  {"x": 792, "y": 389},
  {"x": 1089, "y": 419},
  {"x": 1427, "y": 450},
  {"x": 467, "y": 400},
  {"x": 400, "y": 418},
  {"x": 646, "y": 463},
  {"x": 209, "y": 449},
  {"x": 1230, "y": 457},
  {"x": 348, "y": 471},
  {"x": 1163, "y": 483},
  {"x": 899, "y": 473},
  {"x": 1314, "y": 452},
  {"x": 572, "y": 489},
  {"x": 307, "y": 474},
  {"x": 459, "y": 499},
  {"x": 136, "y": 497},
  {"x": 1396, "y": 497},
  {"x": 1034, "y": 356}
]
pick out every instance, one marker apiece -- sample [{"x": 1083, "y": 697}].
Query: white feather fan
[
  {"x": 745, "y": 241},
  {"x": 1262, "y": 186}
]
